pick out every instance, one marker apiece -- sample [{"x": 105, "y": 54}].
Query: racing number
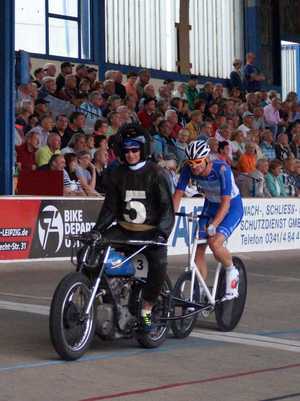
[{"x": 135, "y": 210}]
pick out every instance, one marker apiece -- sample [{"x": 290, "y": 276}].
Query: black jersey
[{"x": 138, "y": 198}]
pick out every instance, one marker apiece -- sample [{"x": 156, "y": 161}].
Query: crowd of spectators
[{"x": 252, "y": 130}]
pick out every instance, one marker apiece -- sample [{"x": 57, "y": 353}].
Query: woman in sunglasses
[{"x": 222, "y": 210}]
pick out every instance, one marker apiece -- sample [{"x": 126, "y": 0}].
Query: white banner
[{"x": 268, "y": 224}]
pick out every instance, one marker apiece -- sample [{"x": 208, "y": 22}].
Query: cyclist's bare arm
[{"x": 177, "y": 198}]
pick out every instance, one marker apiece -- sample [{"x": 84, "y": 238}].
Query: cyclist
[
  {"x": 139, "y": 199},
  {"x": 222, "y": 210}
]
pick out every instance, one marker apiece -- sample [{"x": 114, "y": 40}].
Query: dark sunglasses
[{"x": 132, "y": 150}]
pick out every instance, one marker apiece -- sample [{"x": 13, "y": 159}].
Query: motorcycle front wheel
[{"x": 71, "y": 331}]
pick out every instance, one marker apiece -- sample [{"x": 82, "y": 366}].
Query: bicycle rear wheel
[
  {"x": 229, "y": 313},
  {"x": 182, "y": 289}
]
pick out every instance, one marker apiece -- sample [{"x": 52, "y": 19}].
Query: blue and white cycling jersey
[{"x": 218, "y": 183}]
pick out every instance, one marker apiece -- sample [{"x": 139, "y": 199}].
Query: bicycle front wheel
[
  {"x": 182, "y": 290},
  {"x": 229, "y": 313},
  {"x": 71, "y": 331}
]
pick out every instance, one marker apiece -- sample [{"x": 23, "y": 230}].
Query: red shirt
[
  {"x": 26, "y": 158},
  {"x": 145, "y": 119}
]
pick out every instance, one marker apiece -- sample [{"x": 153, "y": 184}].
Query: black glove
[
  {"x": 160, "y": 238},
  {"x": 93, "y": 235}
]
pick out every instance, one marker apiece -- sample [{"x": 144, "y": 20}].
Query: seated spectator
[
  {"x": 172, "y": 118},
  {"x": 162, "y": 106},
  {"x": 66, "y": 68},
  {"x": 101, "y": 142},
  {"x": 25, "y": 153},
  {"x": 142, "y": 81},
  {"x": 258, "y": 118},
  {"x": 48, "y": 87},
  {"x": 69, "y": 91},
  {"x": 149, "y": 92},
  {"x": 49, "y": 69},
  {"x": 206, "y": 93},
  {"x": 163, "y": 143},
  {"x": 119, "y": 87},
  {"x": 247, "y": 125},
  {"x": 61, "y": 123},
  {"x": 169, "y": 166},
  {"x": 254, "y": 137},
  {"x": 39, "y": 74},
  {"x": 295, "y": 146},
  {"x": 289, "y": 176},
  {"x": 76, "y": 144},
  {"x": 272, "y": 117},
  {"x": 146, "y": 114},
  {"x": 224, "y": 152},
  {"x": 130, "y": 102},
  {"x": 236, "y": 95},
  {"x": 214, "y": 147},
  {"x": 267, "y": 145},
  {"x": 84, "y": 87},
  {"x": 92, "y": 77},
  {"x": 80, "y": 73},
  {"x": 296, "y": 112},
  {"x": 252, "y": 75},
  {"x": 282, "y": 148},
  {"x": 235, "y": 78},
  {"x": 40, "y": 108},
  {"x": 90, "y": 144},
  {"x": 297, "y": 171},
  {"x": 247, "y": 161},
  {"x": 238, "y": 145},
  {"x": 112, "y": 104},
  {"x": 100, "y": 161},
  {"x": 191, "y": 91},
  {"x": 44, "y": 154},
  {"x": 100, "y": 127},
  {"x": 254, "y": 184},
  {"x": 71, "y": 183},
  {"x": 180, "y": 91},
  {"x": 114, "y": 123},
  {"x": 44, "y": 129},
  {"x": 25, "y": 110},
  {"x": 124, "y": 115},
  {"x": 92, "y": 109},
  {"x": 163, "y": 94},
  {"x": 86, "y": 173},
  {"x": 33, "y": 121},
  {"x": 109, "y": 88},
  {"x": 212, "y": 111},
  {"x": 76, "y": 125},
  {"x": 194, "y": 125},
  {"x": 217, "y": 95},
  {"x": 130, "y": 85},
  {"x": 274, "y": 179},
  {"x": 206, "y": 130},
  {"x": 181, "y": 144}
]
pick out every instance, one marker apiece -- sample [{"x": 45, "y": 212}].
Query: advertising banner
[{"x": 32, "y": 228}]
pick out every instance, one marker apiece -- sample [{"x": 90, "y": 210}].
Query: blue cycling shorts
[{"x": 230, "y": 221}]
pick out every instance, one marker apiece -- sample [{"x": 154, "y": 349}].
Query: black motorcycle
[{"x": 104, "y": 296}]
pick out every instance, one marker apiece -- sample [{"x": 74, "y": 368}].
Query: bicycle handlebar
[
  {"x": 104, "y": 241},
  {"x": 192, "y": 216}
]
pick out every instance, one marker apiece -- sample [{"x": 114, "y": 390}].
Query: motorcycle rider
[{"x": 139, "y": 200}]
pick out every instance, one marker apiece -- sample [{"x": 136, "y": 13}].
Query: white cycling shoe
[{"x": 232, "y": 290}]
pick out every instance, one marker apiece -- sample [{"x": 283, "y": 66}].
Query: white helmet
[{"x": 197, "y": 150}]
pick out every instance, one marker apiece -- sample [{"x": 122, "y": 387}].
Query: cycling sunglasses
[
  {"x": 196, "y": 162},
  {"x": 132, "y": 150}
]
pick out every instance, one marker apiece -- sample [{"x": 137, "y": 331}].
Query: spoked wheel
[
  {"x": 183, "y": 327},
  {"x": 229, "y": 313},
  {"x": 160, "y": 330},
  {"x": 71, "y": 331}
]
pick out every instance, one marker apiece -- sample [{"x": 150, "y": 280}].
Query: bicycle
[
  {"x": 104, "y": 296},
  {"x": 188, "y": 301}
]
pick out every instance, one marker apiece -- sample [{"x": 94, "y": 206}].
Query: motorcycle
[{"x": 104, "y": 297}]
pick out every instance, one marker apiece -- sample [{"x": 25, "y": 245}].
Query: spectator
[
  {"x": 44, "y": 154},
  {"x": 224, "y": 152},
  {"x": 26, "y": 109},
  {"x": 48, "y": 87},
  {"x": 44, "y": 129},
  {"x": 169, "y": 166},
  {"x": 40, "y": 108},
  {"x": 76, "y": 125},
  {"x": 130, "y": 102},
  {"x": 50, "y": 69},
  {"x": 90, "y": 144},
  {"x": 191, "y": 91},
  {"x": 212, "y": 111},
  {"x": 66, "y": 68},
  {"x": 206, "y": 131},
  {"x": 61, "y": 123},
  {"x": 76, "y": 144},
  {"x": 172, "y": 118},
  {"x": 247, "y": 123},
  {"x": 236, "y": 78},
  {"x": 92, "y": 76},
  {"x": 238, "y": 145},
  {"x": 224, "y": 134},
  {"x": 80, "y": 73},
  {"x": 258, "y": 118},
  {"x": 289, "y": 177},
  {"x": 163, "y": 143},
  {"x": 39, "y": 74},
  {"x": 113, "y": 102},
  {"x": 254, "y": 184},
  {"x": 252, "y": 75},
  {"x": 119, "y": 87},
  {"x": 92, "y": 109},
  {"x": 130, "y": 85},
  {"x": 247, "y": 161},
  {"x": 100, "y": 128},
  {"x": 114, "y": 122},
  {"x": 180, "y": 91},
  {"x": 274, "y": 179},
  {"x": 100, "y": 161},
  {"x": 282, "y": 148},
  {"x": 149, "y": 92},
  {"x": 164, "y": 94},
  {"x": 86, "y": 173},
  {"x": 124, "y": 115},
  {"x": 25, "y": 153},
  {"x": 295, "y": 146},
  {"x": 194, "y": 125},
  {"x": 101, "y": 142},
  {"x": 143, "y": 80},
  {"x": 71, "y": 183},
  {"x": 267, "y": 145},
  {"x": 297, "y": 170},
  {"x": 33, "y": 121},
  {"x": 84, "y": 87},
  {"x": 272, "y": 117},
  {"x": 206, "y": 93},
  {"x": 69, "y": 91},
  {"x": 181, "y": 144},
  {"x": 214, "y": 147},
  {"x": 109, "y": 87},
  {"x": 146, "y": 114}
]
